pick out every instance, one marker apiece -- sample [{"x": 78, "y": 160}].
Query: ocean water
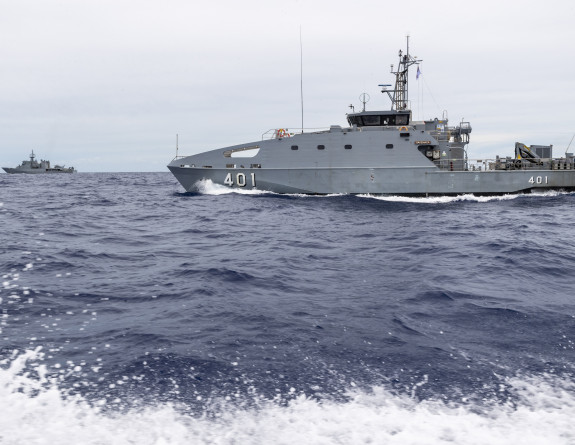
[{"x": 131, "y": 312}]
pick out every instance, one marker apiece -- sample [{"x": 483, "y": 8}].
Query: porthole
[
  {"x": 294, "y": 147},
  {"x": 388, "y": 145},
  {"x": 321, "y": 147},
  {"x": 348, "y": 147}
]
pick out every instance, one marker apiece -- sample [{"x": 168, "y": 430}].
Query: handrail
[
  {"x": 490, "y": 164},
  {"x": 275, "y": 133}
]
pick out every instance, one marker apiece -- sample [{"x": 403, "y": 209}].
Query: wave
[
  {"x": 35, "y": 410},
  {"x": 208, "y": 187},
  {"x": 220, "y": 274},
  {"x": 464, "y": 198},
  {"x": 441, "y": 199}
]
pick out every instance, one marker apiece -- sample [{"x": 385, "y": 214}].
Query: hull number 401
[
  {"x": 538, "y": 180},
  {"x": 240, "y": 179}
]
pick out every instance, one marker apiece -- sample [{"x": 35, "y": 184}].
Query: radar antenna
[{"x": 399, "y": 96}]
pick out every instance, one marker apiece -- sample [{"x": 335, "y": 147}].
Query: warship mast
[{"x": 399, "y": 96}]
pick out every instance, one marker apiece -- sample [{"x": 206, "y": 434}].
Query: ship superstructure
[{"x": 34, "y": 167}]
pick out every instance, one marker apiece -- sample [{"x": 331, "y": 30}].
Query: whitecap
[
  {"x": 35, "y": 411},
  {"x": 208, "y": 187},
  {"x": 463, "y": 198}
]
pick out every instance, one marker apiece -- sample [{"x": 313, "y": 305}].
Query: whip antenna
[
  {"x": 301, "y": 75},
  {"x": 569, "y": 144}
]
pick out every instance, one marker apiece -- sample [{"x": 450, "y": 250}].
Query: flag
[{"x": 418, "y": 73}]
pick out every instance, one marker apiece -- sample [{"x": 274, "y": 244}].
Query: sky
[{"x": 106, "y": 85}]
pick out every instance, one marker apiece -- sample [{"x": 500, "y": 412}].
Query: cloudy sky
[{"x": 105, "y": 85}]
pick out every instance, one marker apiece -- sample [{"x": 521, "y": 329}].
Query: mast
[{"x": 399, "y": 96}]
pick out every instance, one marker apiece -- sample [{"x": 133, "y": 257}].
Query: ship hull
[{"x": 422, "y": 181}]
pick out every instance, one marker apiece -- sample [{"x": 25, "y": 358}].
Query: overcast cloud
[{"x": 106, "y": 85}]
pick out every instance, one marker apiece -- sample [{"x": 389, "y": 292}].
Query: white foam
[
  {"x": 442, "y": 199},
  {"x": 208, "y": 187},
  {"x": 35, "y": 412},
  {"x": 463, "y": 198}
]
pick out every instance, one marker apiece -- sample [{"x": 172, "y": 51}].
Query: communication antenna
[
  {"x": 176, "y": 145},
  {"x": 301, "y": 75},
  {"x": 569, "y": 144},
  {"x": 364, "y": 98}
]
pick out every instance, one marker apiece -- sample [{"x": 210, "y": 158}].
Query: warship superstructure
[
  {"x": 34, "y": 167},
  {"x": 379, "y": 152}
]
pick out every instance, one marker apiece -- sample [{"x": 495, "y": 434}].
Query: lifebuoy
[
  {"x": 403, "y": 129},
  {"x": 281, "y": 133}
]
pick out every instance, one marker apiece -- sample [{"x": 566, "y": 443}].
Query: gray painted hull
[{"x": 381, "y": 181}]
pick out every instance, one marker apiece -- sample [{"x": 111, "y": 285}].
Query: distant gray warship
[
  {"x": 34, "y": 167},
  {"x": 381, "y": 152}
]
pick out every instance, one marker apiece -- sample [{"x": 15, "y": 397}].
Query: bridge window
[
  {"x": 384, "y": 120},
  {"x": 370, "y": 120},
  {"x": 401, "y": 119},
  {"x": 355, "y": 120}
]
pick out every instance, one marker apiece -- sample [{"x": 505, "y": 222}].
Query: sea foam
[
  {"x": 35, "y": 411},
  {"x": 463, "y": 198},
  {"x": 208, "y": 187}
]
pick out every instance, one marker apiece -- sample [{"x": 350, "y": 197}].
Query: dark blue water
[{"x": 255, "y": 317}]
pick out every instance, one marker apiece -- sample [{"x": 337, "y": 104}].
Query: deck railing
[
  {"x": 280, "y": 133},
  {"x": 490, "y": 164}
]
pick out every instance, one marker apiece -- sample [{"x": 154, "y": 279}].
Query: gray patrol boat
[
  {"x": 380, "y": 152},
  {"x": 34, "y": 167}
]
